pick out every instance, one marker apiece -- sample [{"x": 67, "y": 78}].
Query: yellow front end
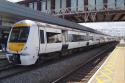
[
  {"x": 16, "y": 43},
  {"x": 16, "y": 47}
]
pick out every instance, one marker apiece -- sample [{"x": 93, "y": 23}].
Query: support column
[
  {"x": 124, "y": 3},
  {"x": 39, "y": 5},
  {"x": 68, "y": 3},
  {"x": 52, "y": 4},
  {"x": 105, "y": 3},
  {"x": 86, "y": 5}
]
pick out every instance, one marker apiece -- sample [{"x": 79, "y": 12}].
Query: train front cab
[{"x": 22, "y": 46}]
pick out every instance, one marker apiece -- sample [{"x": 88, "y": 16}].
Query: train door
[
  {"x": 88, "y": 34},
  {"x": 64, "y": 39},
  {"x": 42, "y": 40}
]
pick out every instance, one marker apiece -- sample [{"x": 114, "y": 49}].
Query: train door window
[
  {"x": 54, "y": 37},
  {"x": 42, "y": 36}
]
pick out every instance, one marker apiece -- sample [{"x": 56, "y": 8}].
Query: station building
[
  {"x": 74, "y": 5},
  {"x": 50, "y": 6}
]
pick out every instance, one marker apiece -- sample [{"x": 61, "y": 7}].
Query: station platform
[{"x": 113, "y": 69}]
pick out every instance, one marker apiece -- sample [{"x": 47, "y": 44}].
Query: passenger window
[
  {"x": 42, "y": 36},
  {"x": 54, "y": 37},
  {"x": 76, "y": 38}
]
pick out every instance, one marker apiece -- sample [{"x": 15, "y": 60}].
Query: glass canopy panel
[
  {"x": 120, "y": 4},
  {"x": 91, "y": 4},
  {"x": 80, "y": 5},
  {"x": 99, "y": 4},
  {"x": 111, "y": 4}
]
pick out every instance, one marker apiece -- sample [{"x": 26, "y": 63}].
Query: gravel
[{"x": 49, "y": 73}]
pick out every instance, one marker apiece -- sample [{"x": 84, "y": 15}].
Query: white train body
[{"x": 28, "y": 39}]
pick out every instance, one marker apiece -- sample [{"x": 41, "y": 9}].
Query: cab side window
[{"x": 42, "y": 36}]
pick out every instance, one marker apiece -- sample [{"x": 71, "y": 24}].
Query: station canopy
[{"x": 19, "y": 12}]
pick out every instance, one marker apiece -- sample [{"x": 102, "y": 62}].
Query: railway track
[
  {"x": 10, "y": 71},
  {"x": 84, "y": 72},
  {"x": 4, "y": 64},
  {"x": 3, "y": 61}
]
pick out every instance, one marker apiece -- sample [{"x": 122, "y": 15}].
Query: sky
[
  {"x": 106, "y": 25},
  {"x": 111, "y": 28},
  {"x": 14, "y": 0}
]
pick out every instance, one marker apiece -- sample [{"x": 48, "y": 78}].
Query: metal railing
[{"x": 87, "y": 10}]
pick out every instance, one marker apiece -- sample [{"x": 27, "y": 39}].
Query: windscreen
[{"x": 19, "y": 34}]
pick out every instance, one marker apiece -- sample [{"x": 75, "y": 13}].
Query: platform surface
[{"x": 113, "y": 69}]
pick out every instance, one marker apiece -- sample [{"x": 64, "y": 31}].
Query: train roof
[{"x": 28, "y": 13}]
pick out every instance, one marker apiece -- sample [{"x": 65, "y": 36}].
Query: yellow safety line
[
  {"x": 109, "y": 65},
  {"x": 108, "y": 69},
  {"x": 99, "y": 80},
  {"x": 105, "y": 75}
]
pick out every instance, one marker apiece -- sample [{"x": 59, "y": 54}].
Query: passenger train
[{"x": 28, "y": 40}]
